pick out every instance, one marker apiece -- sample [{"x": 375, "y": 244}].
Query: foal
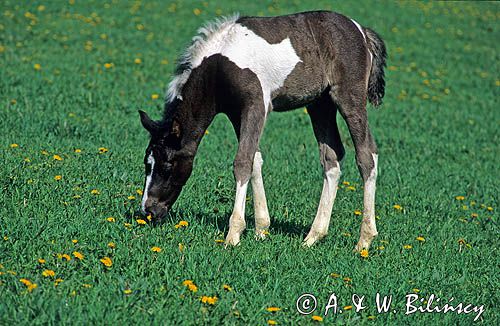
[{"x": 247, "y": 67}]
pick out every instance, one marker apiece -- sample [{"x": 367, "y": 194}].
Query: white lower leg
[
  {"x": 262, "y": 220},
  {"x": 237, "y": 220},
  {"x": 368, "y": 226},
  {"x": 321, "y": 222}
]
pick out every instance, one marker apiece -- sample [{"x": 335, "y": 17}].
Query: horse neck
[{"x": 194, "y": 114}]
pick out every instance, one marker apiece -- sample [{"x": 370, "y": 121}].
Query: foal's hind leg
[
  {"x": 353, "y": 109},
  {"x": 250, "y": 123},
  {"x": 323, "y": 117}
]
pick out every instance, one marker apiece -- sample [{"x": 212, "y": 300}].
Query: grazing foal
[{"x": 247, "y": 67}]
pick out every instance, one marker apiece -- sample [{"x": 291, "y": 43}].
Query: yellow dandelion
[
  {"x": 139, "y": 192},
  {"x": 192, "y": 288},
  {"x": 207, "y": 132},
  {"x": 183, "y": 223},
  {"x": 108, "y": 65},
  {"x": 41, "y": 261},
  {"x": 106, "y": 261},
  {"x": 156, "y": 249},
  {"x": 273, "y": 309},
  {"x": 149, "y": 217},
  {"x": 219, "y": 241},
  {"x": 127, "y": 291},
  {"x": 127, "y": 225},
  {"x": 347, "y": 279},
  {"x": 371, "y": 317},
  {"x": 335, "y": 275},
  {"x": 272, "y": 322},
  {"x": 37, "y": 66},
  {"x": 421, "y": 239},
  {"x": 155, "y": 96},
  {"x": 57, "y": 157},
  {"x": 5, "y": 238},
  {"x": 74, "y": 241},
  {"x": 398, "y": 207},
  {"x": 131, "y": 197},
  {"x": 86, "y": 285},
  {"x": 352, "y": 188},
  {"x": 103, "y": 150},
  {"x": 57, "y": 281},
  {"x": 78, "y": 255},
  {"x": 111, "y": 219},
  {"x": 29, "y": 285},
  {"x": 58, "y": 177},
  {"x": 346, "y": 183},
  {"x": 95, "y": 192},
  {"x": 347, "y": 307},
  {"x": 357, "y": 212},
  {"x": 209, "y": 300},
  {"x": 181, "y": 247},
  {"x": 140, "y": 221},
  {"x": 137, "y": 61},
  {"x": 111, "y": 245},
  {"x": 364, "y": 253},
  {"x": 196, "y": 11},
  {"x": 474, "y": 215},
  {"x": 187, "y": 282},
  {"x": 14, "y": 145},
  {"x": 489, "y": 208},
  {"x": 227, "y": 287},
  {"x": 44, "y": 152},
  {"x": 317, "y": 318},
  {"x": 78, "y": 150},
  {"x": 407, "y": 246},
  {"x": 48, "y": 273}
]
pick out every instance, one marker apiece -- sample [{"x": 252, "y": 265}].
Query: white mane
[{"x": 209, "y": 40}]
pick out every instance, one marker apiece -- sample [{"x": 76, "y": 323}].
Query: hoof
[
  {"x": 232, "y": 240},
  {"x": 261, "y": 234},
  {"x": 362, "y": 244},
  {"x": 312, "y": 238}
]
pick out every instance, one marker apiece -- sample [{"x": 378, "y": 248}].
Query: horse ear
[
  {"x": 176, "y": 129},
  {"x": 147, "y": 123}
]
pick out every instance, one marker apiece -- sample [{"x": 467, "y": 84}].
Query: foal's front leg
[
  {"x": 252, "y": 122},
  {"x": 262, "y": 220}
]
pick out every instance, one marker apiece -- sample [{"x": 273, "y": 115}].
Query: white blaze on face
[
  {"x": 149, "y": 177},
  {"x": 272, "y": 63}
]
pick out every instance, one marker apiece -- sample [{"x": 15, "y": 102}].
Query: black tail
[{"x": 376, "y": 82}]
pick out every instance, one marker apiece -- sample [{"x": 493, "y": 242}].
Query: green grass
[{"x": 437, "y": 134}]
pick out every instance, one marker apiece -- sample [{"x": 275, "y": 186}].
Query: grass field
[{"x": 73, "y": 75}]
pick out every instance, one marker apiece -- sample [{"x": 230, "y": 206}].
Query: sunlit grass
[{"x": 73, "y": 248}]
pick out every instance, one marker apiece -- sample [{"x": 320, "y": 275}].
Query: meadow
[{"x": 75, "y": 250}]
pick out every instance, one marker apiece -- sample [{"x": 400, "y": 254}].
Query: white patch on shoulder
[
  {"x": 272, "y": 63},
  {"x": 149, "y": 177},
  {"x": 359, "y": 27}
]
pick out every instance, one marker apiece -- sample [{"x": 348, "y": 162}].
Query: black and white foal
[{"x": 247, "y": 67}]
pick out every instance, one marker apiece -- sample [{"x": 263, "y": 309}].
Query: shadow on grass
[{"x": 221, "y": 221}]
